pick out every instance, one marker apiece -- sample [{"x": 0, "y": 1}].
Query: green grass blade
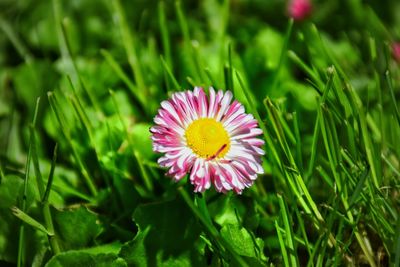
[
  {"x": 359, "y": 187},
  {"x": 282, "y": 245},
  {"x": 51, "y": 175},
  {"x": 288, "y": 232},
  {"x": 310, "y": 72},
  {"x": 46, "y": 208},
  {"x": 35, "y": 159},
  {"x": 396, "y": 245},
  {"x": 10, "y": 32},
  {"x": 369, "y": 149},
  {"x": 130, "y": 45},
  {"x": 314, "y": 146},
  {"x": 21, "y": 241},
  {"x": 282, "y": 56},
  {"x": 165, "y": 38},
  {"x": 66, "y": 131},
  {"x": 392, "y": 95},
  {"x": 121, "y": 74},
  {"x": 299, "y": 156},
  {"x": 29, "y": 220},
  {"x": 188, "y": 48},
  {"x": 146, "y": 177},
  {"x": 171, "y": 76}
]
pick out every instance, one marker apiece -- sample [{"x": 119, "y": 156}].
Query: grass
[{"x": 82, "y": 81}]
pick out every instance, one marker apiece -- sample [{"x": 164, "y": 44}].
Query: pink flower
[
  {"x": 396, "y": 51},
  {"x": 209, "y": 137},
  {"x": 299, "y": 9}
]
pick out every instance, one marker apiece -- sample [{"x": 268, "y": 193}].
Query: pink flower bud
[
  {"x": 396, "y": 51},
  {"x": 299, "y": 9}
]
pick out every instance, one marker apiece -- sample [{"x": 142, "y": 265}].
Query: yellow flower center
[{"x": 207, "y": 138}]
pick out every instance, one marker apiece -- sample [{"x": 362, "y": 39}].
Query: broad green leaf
[
  {"x": 168, "y": 236},
  {"x": 113, "y": 248},
  {"x": 32, "y": 80},
  {"x": 83, "y": 259},
  {"x": 242, "y": 241},
  {"x": 224, "y": 211},
  {"x": 11, "y": 190},
  {"x": 75, "y": 227},
  {"x": 134, "y": 252}
]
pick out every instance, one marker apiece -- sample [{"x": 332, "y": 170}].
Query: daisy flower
[{"x": 209, "y": 137}]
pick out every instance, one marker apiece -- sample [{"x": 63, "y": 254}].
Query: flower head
[
  {"x": 209, "y": 137},
  {"x": 299, "y": 9}
]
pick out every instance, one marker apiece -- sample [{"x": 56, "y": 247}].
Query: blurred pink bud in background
[
  {"x": 396, "y": 51},
  {"x": 299, "y": 9}
]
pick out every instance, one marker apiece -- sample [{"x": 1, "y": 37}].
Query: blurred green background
[{"x": 325, "y": 90}]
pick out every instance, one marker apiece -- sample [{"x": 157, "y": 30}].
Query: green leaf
[
  {"x": 168, "y": 236},
  {"x": 11, "y": 188},
  {"x": 32, "y": 80},
  {"x": 8, "y": 229},
  {"x": 223, "y": 210},
  {"x": 113, "y": 248},
  {"x": 81, "y": 258},
  {"x": 134, "y": 252},
  {"x": 242, "y": 241},
  {"x": 76, "y": 227}
]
